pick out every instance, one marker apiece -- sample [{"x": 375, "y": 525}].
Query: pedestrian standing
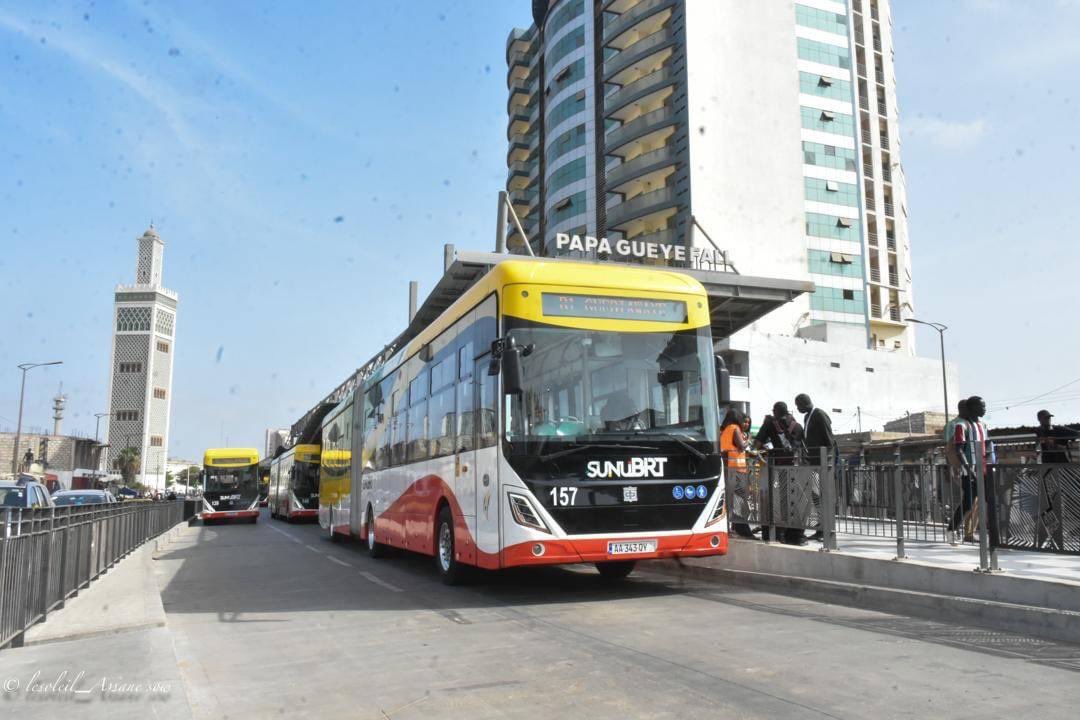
[
  {"x": 783, "y": 436},
  {"x": 818, "y": 435},
  {"x": 976, "y": 454},
  {"x": 733, "y": 447},
  {"x": 1053, "y": 440}
]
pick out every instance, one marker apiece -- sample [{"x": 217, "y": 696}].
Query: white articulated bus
[{"x": 557, "y": 412}]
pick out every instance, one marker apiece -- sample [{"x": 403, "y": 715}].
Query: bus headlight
[
  {"x": 717, "y": 514},
  {"x": 525, "y": 514}
]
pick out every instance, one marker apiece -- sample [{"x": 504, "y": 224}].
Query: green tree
[{"x": 127, "y": 464}]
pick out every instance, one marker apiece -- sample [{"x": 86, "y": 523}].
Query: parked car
[
  {"x": 82, "y": 497},
  {"x": 25, "y": 494}
]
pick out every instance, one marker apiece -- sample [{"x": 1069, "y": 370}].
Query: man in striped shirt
[{"x": 974, "y": 449}]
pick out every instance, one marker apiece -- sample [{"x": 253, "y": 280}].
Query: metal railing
[
  {"x": 1033, "y": 507},
  {"x": 48, "y": 555}
]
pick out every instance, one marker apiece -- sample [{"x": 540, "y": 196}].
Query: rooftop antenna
[{"x": 58, "y": 409}]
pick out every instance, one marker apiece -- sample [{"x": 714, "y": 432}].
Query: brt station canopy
[{"x": 735, "y": 302}]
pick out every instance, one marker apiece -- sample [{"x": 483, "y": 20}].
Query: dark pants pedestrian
[
  {"x": 740, "y": 506},
  {"x": 969, "y": 491}
]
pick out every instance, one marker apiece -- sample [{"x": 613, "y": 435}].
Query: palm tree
[{"x": 127, "y": 464}]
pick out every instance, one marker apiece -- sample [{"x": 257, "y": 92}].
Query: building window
[
  {"x": 568, "y": 173},
  {"x": 126, "y": 415},
  {"x": 828, "y": 156},
  {"x": 164, "y": 323},
  {"x": 837, "y": 123},
  {"x": 132, "y": 319},
  {"x": 159, "y": 393},
  {"x": 130, "y": 367},
  {"x": 156, "y": 441},
  {"x": 830, "y": 191},
  {"x": 824, "y": 53},
  {"x": 564, "y": 15},
  {"x": 822, "y": 86},
  {"x": 162, "y": 347},
  {"x": 569, "y": 140},
  {"x": 570, "y": 42},
  {"x": 824, "y": 262},
  {"x": 830, "y": 299},
  {"x": 567, "y": 208},
  {"x": 821, "y": 20}
]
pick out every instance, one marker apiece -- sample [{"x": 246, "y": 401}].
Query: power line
[{"x": 1048, "y": 392}]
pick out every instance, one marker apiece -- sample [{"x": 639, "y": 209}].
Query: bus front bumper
[
  {"x": 228, "y": 514},
  {"x": 559, "y": 551}
]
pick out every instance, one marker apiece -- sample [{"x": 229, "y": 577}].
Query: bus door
[
  {"x": 465, "y": 489},
  {"x": 485, "y": 465}
]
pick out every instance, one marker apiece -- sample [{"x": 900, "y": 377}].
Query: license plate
[{"x": 632, "y": 547}]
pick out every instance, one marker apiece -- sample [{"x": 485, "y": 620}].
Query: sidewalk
[
  {"x": 1037, "y": 594},
  {"x": 965, "y": 556},
  {"x": 106, "y": 654}
]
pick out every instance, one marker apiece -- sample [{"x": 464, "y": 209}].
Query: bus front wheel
[
  {"x": 615, "y": 570},
  {"x": 450, "y": 570},
  {"x": 375, "y": 549}
]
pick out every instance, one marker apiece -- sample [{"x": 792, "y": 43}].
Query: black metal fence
[
  {"x": 48, "y": 555},
  {"x": 1036, "y": 506}
]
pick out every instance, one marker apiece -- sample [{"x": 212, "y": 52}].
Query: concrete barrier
[{"x": 1038, "y": 607}]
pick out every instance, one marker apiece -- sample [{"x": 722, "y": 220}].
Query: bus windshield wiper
[
  {"x": 576, "y": 448},
  {"x": 681, "y": 439}
]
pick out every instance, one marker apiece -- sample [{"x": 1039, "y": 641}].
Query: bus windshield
[
  {"x": 588, "y": 386},
  {"x": 305, "y": 478},
  {"x": 230, "y": 479}
]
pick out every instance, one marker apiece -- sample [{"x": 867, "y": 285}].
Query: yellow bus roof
[
  {"x": 231, "y": 456},
  {"x": 599, "y": 276},
  {"x": 307, "y": 452}
]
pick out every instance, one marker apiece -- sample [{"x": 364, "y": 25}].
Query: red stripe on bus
[{"x": 409, "y": 522}]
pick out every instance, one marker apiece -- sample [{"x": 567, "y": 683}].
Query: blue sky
[{"x": 303, "y": 162}]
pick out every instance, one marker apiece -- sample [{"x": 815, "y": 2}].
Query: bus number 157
[{"x": 563, "y": 496}]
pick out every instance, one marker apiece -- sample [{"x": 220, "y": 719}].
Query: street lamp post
[
  {"x": 97, "y": 423},
  {"x": 18, "y": 425},
  {"x": 97, "y": 426},
  {"x": 941, "y": 328}
]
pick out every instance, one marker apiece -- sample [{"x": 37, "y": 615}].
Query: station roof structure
[{"x": 735, "y": 302}]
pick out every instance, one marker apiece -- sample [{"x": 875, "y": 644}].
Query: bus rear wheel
[
  {"x": 616, "y": 570},
  {"x": 374, "y": 549},
  {"x": 450, "y": 570}
]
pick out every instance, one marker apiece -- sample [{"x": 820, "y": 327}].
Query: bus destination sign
[{"x": 613, "y": 308}]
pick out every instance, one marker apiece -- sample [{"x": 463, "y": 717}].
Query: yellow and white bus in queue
[
  {"x": 335, "y": 471},
  {"x": 264, "y": 482},
  {"x": 294, "y": 483},
  {"x": 556, "y": 412},
  {"x": 231, "y": 484}
]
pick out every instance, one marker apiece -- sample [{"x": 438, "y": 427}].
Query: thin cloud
[
  {"x": 196, "y": 44},
  {"x": 945, "y": 134},
  {"x": 155, "y": 94}
]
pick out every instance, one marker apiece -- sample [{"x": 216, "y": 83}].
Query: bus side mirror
[
  {"x": 506, "y": 357},
  {"x": 723, "y": 381},
  {"x": 513, "y": 384}
]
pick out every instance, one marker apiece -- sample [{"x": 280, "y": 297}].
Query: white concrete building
[
  {"x": 767, "y": 130},
  {"x": 140, "y": 385}
]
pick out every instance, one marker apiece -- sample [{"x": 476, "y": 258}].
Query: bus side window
[
  {"x": 466, "y": 393},
  {"x": 487, "y": 411}
]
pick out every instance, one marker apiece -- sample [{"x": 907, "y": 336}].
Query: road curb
[{"x": 1052, "y": 624}]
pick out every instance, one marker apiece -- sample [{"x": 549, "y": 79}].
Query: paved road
[{"x": 273, "y": 620}]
